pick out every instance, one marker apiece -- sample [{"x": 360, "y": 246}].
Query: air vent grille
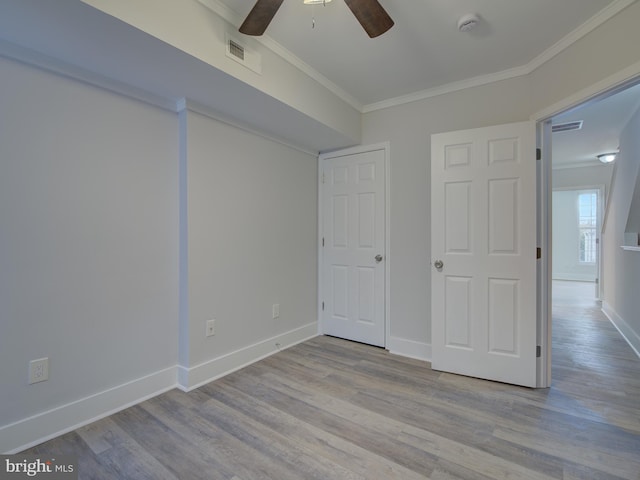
[
  {"x": 566, "y": 127},
  {"x": 236, "y": 50},
  {"x": 242, "y": 53}
]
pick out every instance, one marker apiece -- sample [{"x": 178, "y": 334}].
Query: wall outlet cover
[
  {"x": 38, "y": 370},
  {"x": 211, "y": 328}
]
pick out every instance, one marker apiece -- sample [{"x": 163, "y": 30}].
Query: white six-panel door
[
  {"x": 483, "y": 212},
  {"x": 353, "y": 263}
]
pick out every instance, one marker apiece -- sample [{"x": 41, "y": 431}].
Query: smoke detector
[{"x": 468, "y": 22}]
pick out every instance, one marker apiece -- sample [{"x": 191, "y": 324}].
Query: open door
[{"x": 483, "y": 240}]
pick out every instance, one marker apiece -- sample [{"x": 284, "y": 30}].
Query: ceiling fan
[{"x": 373, "y": 18}]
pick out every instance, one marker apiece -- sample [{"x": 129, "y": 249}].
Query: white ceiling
[{"x": 424, "y": 49}]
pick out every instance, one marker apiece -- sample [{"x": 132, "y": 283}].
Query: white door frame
[
  {"x": 384, "y": 146},
  {"x": 604, "y": 88}
]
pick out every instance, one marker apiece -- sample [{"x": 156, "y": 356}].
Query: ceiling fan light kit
[
  {"x": 369, "y": 13},
  {"x": 607, "y": 157}
]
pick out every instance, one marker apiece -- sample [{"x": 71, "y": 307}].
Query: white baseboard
[
  {"x": 632, "y": 337},
  {"x": 44, "y": 426},
  {"x": 574, "y": 277},
  {"x": 190, "y": 378},
  {"x": 409, "y": 348}
]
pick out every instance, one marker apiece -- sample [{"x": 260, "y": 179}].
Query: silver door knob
[
  {"x": 438, "y": 264},
  {"x": 378, "y": 258}
]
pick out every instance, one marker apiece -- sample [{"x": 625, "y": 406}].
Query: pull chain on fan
[{"x": 313, "y": 3}]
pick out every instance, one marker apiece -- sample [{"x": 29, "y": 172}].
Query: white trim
[
  {"x": 57, "y": 421},
  {"x": 605, "y": 87},
  {"x": 409, "y": 348},
  {"x": 44, "y": 426},
  {"x": 544, "y": 267},
  {"x": 386, "y": 147},
  {"x": 49, "y": 64},
  {"x": 590, "y": 25},
  {"x": 587, "y": 27},
  {"x": 447, "y": 88},
  {"x": 583, "y": 164},
  {"x": 575, "y": 277},
  {"x": 190, "y": 105},
  {"x": 631, "y": 337},
  {"x": 190, "y": 378},
  {"x": 630, "y": 248},
  {"x": 608, "y": 86}
]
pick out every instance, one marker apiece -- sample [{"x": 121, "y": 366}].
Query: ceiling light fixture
[
  {"x": 468, "y": 22},
  {"x": 315, "y": 2},
  {"x": 607, "y": 157}
]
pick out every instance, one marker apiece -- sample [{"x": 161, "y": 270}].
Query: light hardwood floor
[{"x": 332, "y": 409}]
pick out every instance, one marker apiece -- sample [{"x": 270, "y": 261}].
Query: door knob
[
  {"x": 378, "y": 258},
  {"x": 438, "y": 264}
]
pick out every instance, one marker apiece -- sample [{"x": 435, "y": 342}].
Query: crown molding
[
  {"x": 580, "y": 164},
  {"x": 447, "y": 88},
  {"x": 611, "y": 84},
  {"x": 594, "y": 22}
]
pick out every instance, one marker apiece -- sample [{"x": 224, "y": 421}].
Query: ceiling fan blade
[
  {"x": 373, "y": 18},
  {"x": 260, "y": 17}
]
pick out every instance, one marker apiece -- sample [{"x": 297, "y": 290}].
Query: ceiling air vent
[
  {"x": 566, "y": 127},
  {"x": 235, "y": 50}
]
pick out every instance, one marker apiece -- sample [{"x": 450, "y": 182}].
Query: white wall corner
[
  {"x": 190, "y": 378},
  {"x": 409, "y": 348},
  {"x": 632, "y": 337},
  {"x": 44, "y": 426}
]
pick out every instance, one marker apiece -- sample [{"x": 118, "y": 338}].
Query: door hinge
[
  {"x": 538, "y": 154},
  {"x": 322, "y": 177},
  {"x": 323, "y": 306},
  {"x": 538, "y": 351},
  {"x": 538, "y": 253},
  {"x": 323, "y": 241}
]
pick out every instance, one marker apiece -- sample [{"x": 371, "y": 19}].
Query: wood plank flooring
[{"x": 332, "y": 409}]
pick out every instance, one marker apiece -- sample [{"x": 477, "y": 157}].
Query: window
[{"x": 587, "y": 222}]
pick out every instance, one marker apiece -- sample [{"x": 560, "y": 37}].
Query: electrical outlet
[
  {"x": 275, "y": 310},
  {"x": 211, "y": 328},
  {"x": 38, "y": 370}
]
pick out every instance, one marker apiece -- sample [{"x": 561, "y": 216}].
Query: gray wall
[
  {"x": 622, "y": 268},
  {"x": 252, "y": 237},
  {"x": 88, "y": 239}
]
